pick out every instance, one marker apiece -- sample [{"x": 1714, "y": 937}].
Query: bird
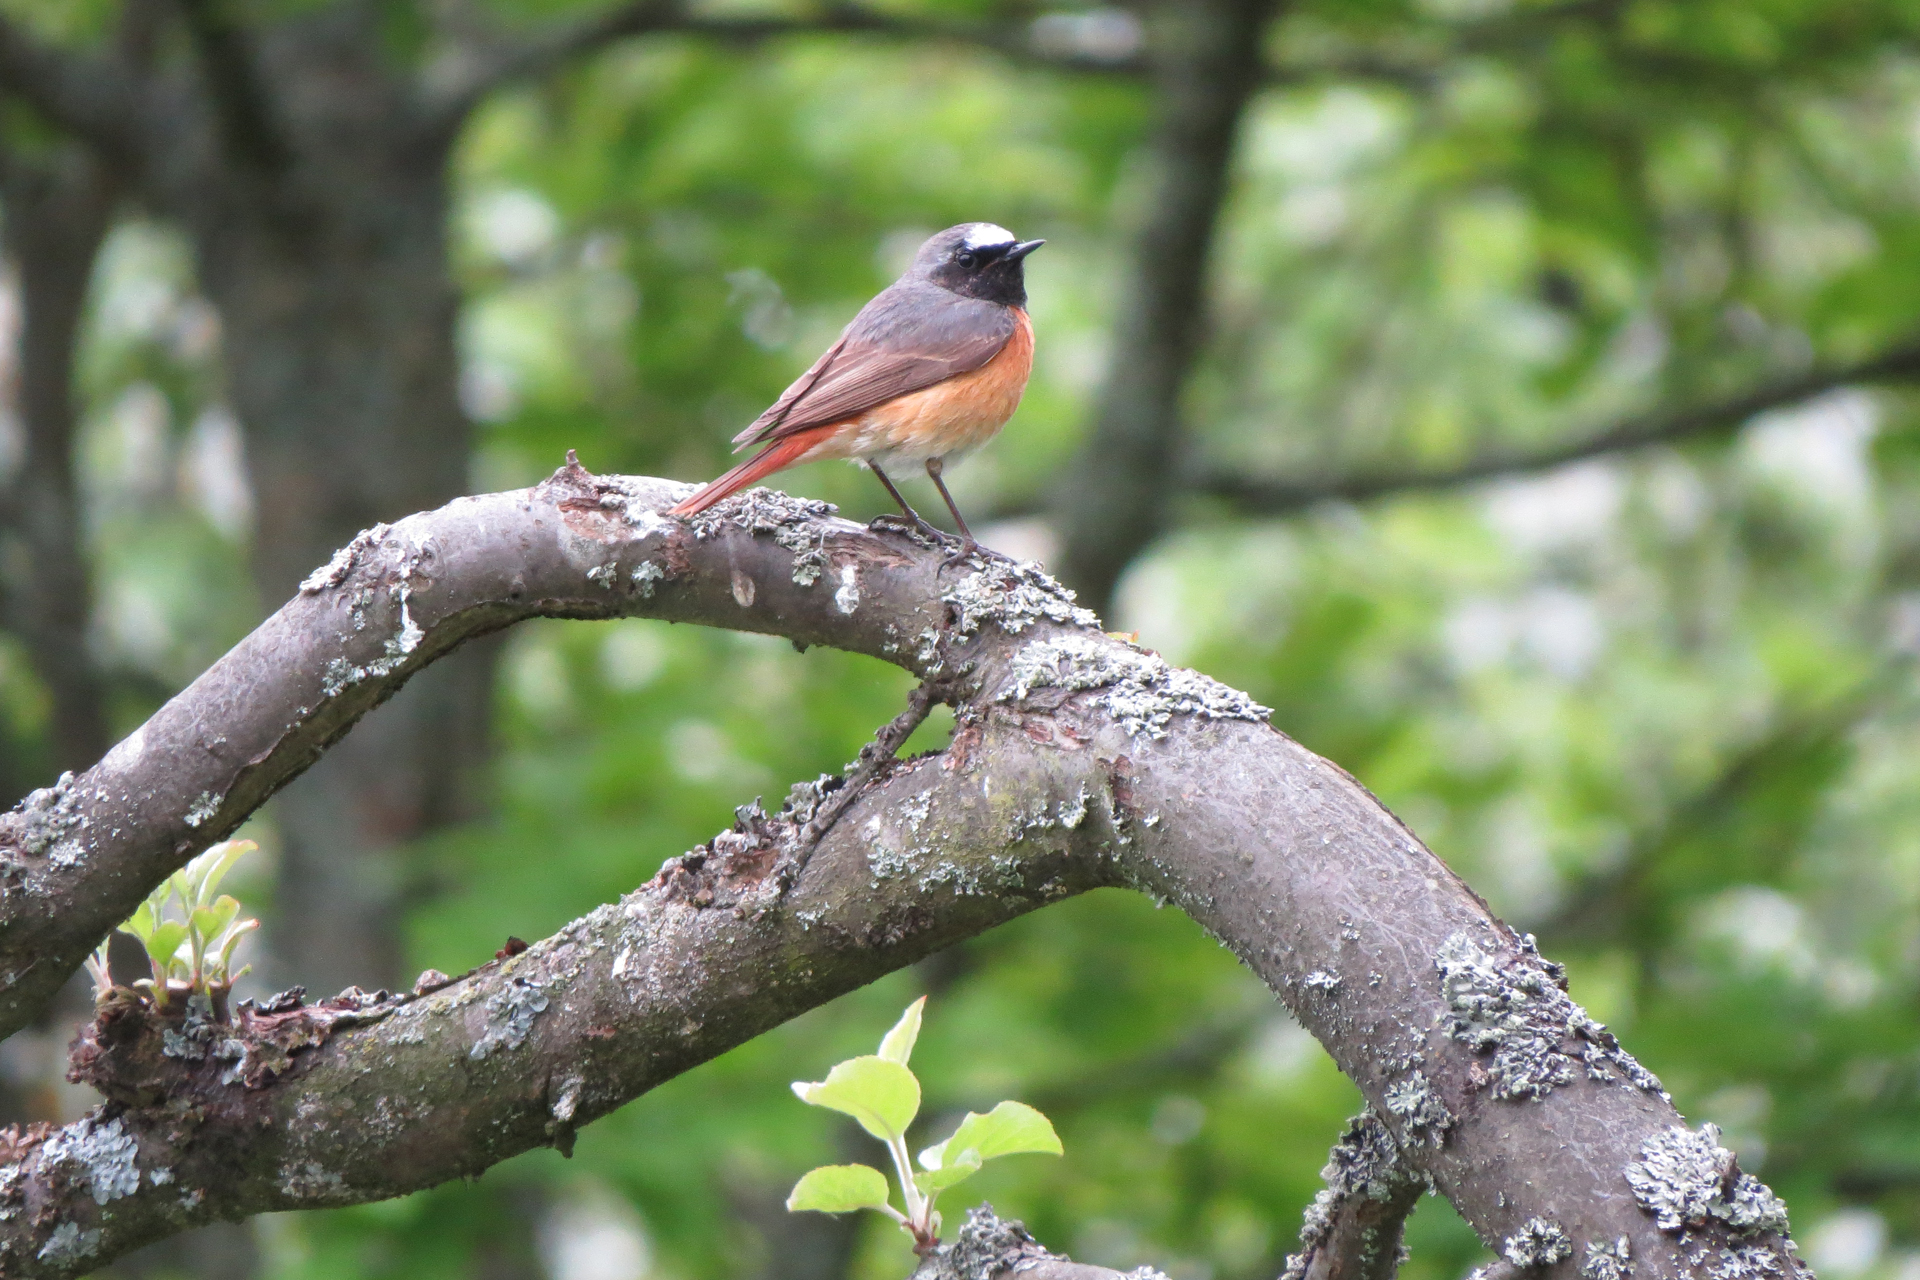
[{"x": 930, "y": 369}]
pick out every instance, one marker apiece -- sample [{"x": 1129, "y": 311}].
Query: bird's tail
[{"x": 779, "y": 454}]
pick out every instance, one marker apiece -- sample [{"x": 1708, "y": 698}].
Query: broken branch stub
[{"x": 1078, "y": 760}]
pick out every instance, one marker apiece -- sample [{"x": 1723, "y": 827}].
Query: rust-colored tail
[{"x": 779, "y": 454}]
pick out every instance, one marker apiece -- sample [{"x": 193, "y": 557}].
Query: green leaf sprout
[
  {"x": 189, "y": 931},
  {"x": 884, "y": 1096}
]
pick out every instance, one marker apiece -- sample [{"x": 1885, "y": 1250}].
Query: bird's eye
[{"x": 966, "y": 258}]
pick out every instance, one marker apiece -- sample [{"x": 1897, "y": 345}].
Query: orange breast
[{"x": 961, "y": 413}]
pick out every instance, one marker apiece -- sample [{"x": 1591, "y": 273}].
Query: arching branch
[{"x": 1078, "y": 760}]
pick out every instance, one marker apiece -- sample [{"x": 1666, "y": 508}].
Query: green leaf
[
  {"x": 211, "y": 867},
  {"x": 897, "y": 1044},
  {"x": 224, "y": 960},
  {"x": 934, "y": 1181},
  {"x": 839, "y": 1188},
  {"x": 140, "y": 923},
  {"x": 210, "y": 921},
  {"x": 1012, "y": 1128},
  {"x": 883, "y": 1096},
  {"x": 163, "y": 942}
]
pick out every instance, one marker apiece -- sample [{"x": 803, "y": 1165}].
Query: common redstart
[{"x": 931, "y": 368}]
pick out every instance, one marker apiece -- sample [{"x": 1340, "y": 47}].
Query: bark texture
[
  {"x": 1078, "y": 760},
  {"x": 1206, "y": 61},
  {"x": 990, "y": 1248}
]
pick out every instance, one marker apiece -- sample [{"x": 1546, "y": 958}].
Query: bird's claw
[
  {"x": 913, "y": 527},
  {"x": 967, "y": 547}
]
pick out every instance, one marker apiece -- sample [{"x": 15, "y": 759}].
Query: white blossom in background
[
  {"x": 516, "y": 226},
  {"x": 1846, "y": 1243},
  {"x": 213, "y": 472},
  {"x": 633, "y": 655},
  {"x": 592, "y": 1234}
]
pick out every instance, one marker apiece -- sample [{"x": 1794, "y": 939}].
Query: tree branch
[
  {"x": 1354, "y": 1225},
  {"x": 487, "y": 63},
  {"x": 1257, "y": 496},
  {"x": 990, "y": 1248},
  {"x": 1078, "y": 760}
]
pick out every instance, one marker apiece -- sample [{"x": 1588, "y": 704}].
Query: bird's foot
[
  {"x": 967, "y": 549},
  {"x": 913, "y": 527}
]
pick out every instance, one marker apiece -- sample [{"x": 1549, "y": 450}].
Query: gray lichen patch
[
  {"x": 794, "y": 523},
  {"x": 69, "y": 1245},
  {"x": 1143, "y": 692},
  {"x": 1685, "y": 1178},
  {"x": 1421, "y": 1112},
  {"x": 988, "y": 1246},
  {"x": 335, "y": 571},
  {"x": 341, "y": 674},
  {"x": 204, "y": 806},
  {"x": 1538, "y": 1243},
  {"x": 510, "y": 1015},
  {"x": 1013, "y": 596},
  {"x": 102, "y": 1153},
  {"x": 1608, "y": 1261},
  {"x": 1365, "y": 1164},
  {"x": 1744, "y": 1262},
  {"x": 47, "y": 823},
  {"x": 1513, "y": 1005},
  {"x": 646, "y": 577}
]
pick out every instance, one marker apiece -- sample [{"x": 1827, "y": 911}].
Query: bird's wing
[{"x": 908, "y": 338}]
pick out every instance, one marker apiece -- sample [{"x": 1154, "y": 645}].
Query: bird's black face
[{"x": 978, "y": 260}]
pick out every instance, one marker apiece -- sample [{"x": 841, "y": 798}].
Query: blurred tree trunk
[
  {"x": 319, "y": 223},
  {"x": 1205, "y": 59},
  {"x": 338, "y": 316},
  {"x": 56, "y": 206}
]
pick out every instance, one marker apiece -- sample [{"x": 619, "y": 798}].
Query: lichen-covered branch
[
  {"x": 990, "y": 1248},
  {"x": 1077, "y": 760},
  {"x": 1353, "y": 1226},
  {"x": 76, "y": 858}
]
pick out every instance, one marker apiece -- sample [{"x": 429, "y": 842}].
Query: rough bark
[
  {"x": 990, "y": 1248},
  {"x": 57, "y": 207},
  {"x": 1078, "y": 760},
  {"x": 1354, "y": 1225},
  {"x": 1207, "y": 62}
]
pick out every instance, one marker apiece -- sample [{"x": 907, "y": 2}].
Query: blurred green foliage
[{"x": 1658, "y": 708}]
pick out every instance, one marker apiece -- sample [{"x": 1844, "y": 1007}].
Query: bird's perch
[{"x": 1078, "y": 761}]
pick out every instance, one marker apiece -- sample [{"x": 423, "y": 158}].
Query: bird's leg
[
  {"x": 967, "y": 545},
  {"x": 912, "y": 522}
]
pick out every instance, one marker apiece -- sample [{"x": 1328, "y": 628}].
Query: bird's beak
[{"x": 1022, "y": 249}]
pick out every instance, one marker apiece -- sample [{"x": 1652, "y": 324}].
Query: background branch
[{"x": 1257, "y": 496}]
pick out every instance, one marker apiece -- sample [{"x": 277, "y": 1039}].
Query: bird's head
[{"x": 977, "y": 260}]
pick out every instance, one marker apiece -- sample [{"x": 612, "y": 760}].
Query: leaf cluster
[
  {"x": 189, "y": 931},
  {"x": 882, "y": 1093}
]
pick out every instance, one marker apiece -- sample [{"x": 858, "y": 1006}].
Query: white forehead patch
[{"x": 984, "y": 235}]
